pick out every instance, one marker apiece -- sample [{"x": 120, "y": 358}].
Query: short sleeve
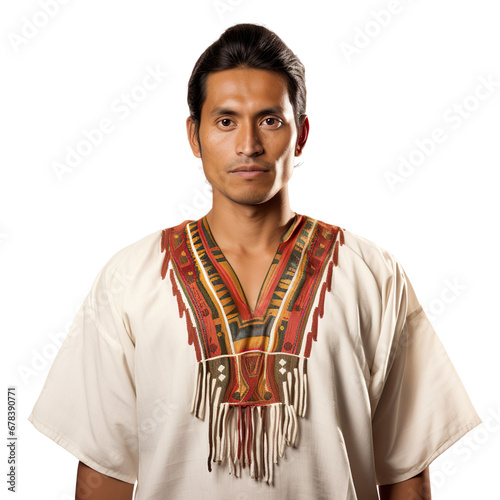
[
  {"x": 422, "y": 407},
  {"x": 88, "y": 404}
]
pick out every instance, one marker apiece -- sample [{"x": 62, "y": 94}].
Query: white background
[{"x": 410, "y": 75}]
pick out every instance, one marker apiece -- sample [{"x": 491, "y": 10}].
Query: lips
[{"x": 250, "y": 168}]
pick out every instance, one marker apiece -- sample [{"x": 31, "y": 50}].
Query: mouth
[{"x": 249, "y": 171}]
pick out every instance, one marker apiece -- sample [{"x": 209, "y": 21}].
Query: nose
[{"x": 248, "y": 140}]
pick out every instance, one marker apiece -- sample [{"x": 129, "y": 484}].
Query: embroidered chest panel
[{"x": 252, "y": 367}]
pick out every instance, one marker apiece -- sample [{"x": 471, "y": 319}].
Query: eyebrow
[{"x": 220, "y": 110}]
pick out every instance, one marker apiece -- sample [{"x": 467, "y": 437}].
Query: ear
[
  {"x": 302, "y": 139},
  {"x": 193, "y": 140}
]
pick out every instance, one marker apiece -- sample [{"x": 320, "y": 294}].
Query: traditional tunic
[{"x": 336, "y": 382}]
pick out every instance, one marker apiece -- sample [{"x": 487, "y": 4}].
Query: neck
[{"x": 249, "y": 228}]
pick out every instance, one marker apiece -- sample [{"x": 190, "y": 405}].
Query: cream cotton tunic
[{"x": 336, "y": 382}]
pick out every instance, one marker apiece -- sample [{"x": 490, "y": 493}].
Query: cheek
[
  {"x": 287, "y": 160},
  {"x": 215, "y": 146},
  {"x": 284, "y": 144},
  {"x": 285, "y": 152}
]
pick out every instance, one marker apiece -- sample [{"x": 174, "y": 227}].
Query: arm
[
  {"x": 92, "y": 485},
  {"x": 415, "y": 488}
]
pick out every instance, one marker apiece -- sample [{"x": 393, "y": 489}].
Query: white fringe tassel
[{"x": 253, "y": 436}]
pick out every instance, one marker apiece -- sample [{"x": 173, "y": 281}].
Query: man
[{"x": 300, "y": 349}]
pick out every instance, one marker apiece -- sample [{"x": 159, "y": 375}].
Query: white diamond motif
[
  {"x": 221, "y": 368},
  {"x": 222, "y": 377},
  {"x": 282, "y": 370},
  {"x": 282, "y": 362}
]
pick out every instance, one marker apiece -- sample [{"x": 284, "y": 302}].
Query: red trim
[
  {"x": 182, "y": 308},
  {"x": 164, "y": 248},
  {"x": 319, "y": 310}
]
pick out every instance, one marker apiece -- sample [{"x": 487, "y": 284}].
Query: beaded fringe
[{"x": 250, "y": 435}]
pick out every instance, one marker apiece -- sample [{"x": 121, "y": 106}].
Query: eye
[
  {"x": 273, "y": 122},
  {"x": 225, "y": 122}
]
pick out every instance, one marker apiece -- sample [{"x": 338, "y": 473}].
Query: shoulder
[
  {"x": 131, "y": 256},
  {"x": 142, "y": 257},
  {"x": 364, "y": 261},
  {"x": 127, "y": 266},
  {"x": 371, "y": 270},
  {"x": 370, "y": 253},
  {"x": 364, "y": 252}
]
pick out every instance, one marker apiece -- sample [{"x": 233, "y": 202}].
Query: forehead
[{"x": 247, "y": 88}]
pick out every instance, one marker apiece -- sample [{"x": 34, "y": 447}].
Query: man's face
[{"x": 247, "y": 121}]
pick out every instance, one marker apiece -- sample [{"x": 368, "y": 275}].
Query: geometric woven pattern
[{"x": 249, "y": 361}]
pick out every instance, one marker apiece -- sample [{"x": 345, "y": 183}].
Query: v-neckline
[{"x": 205, "y": 226}]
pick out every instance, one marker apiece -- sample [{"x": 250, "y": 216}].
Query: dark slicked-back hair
[{"x": 248, "y": 46}]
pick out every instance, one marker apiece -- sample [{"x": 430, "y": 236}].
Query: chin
[
  {"x": 250, "y": 198},
  {"x": 248, "y": 195}
]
